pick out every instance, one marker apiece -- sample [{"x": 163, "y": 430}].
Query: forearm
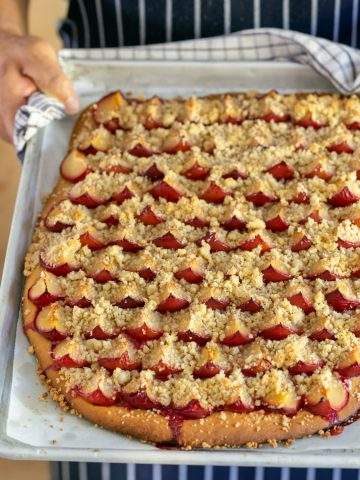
[{"x": 13, "y": 16}]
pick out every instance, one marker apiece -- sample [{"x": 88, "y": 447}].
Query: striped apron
[{"x": 114, "y": 23}]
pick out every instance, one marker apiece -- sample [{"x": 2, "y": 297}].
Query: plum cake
[{"x": 194, "y": 277}]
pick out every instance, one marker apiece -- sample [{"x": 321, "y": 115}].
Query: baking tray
[{"x": 34, "y": 429}]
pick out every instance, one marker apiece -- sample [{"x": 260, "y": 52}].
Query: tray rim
[{"x": 12, "y": 449}]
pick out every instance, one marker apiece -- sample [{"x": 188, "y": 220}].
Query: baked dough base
[{"x": 220, "y": 429}]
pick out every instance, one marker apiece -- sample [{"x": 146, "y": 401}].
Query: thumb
[{"x": 43, "y": 68}]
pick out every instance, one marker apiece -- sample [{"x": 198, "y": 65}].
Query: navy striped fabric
[
  {"x": 114, "y": 23},
  {"x": 97, "y": 471}
]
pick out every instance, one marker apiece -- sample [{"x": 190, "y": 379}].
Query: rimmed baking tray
[{"x": 33, "y": 428}]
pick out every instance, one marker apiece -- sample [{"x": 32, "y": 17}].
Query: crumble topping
[{"x": 206, "y": 250}]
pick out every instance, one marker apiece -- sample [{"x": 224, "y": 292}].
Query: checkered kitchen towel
[{"x": 338, "y": 63}]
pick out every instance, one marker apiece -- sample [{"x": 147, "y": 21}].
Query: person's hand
[{"x": 28, "y": 64}]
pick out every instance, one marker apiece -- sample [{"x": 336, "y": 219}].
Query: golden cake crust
[
  {"x": 225, "y": 428},
  {"x": 218, "y": 429}
]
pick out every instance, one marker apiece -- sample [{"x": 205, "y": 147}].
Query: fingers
[
  {"x": 42, "y": 66},
  {"x": 28, "y": 64},
  {"x": 4, "y": 135},
  {"x": 15, "y": 88}
]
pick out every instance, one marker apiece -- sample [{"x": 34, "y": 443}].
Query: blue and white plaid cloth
[{"x": 338, "y": 63}]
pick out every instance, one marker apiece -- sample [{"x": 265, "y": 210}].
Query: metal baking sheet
[{"x": 34, "y": 428}]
